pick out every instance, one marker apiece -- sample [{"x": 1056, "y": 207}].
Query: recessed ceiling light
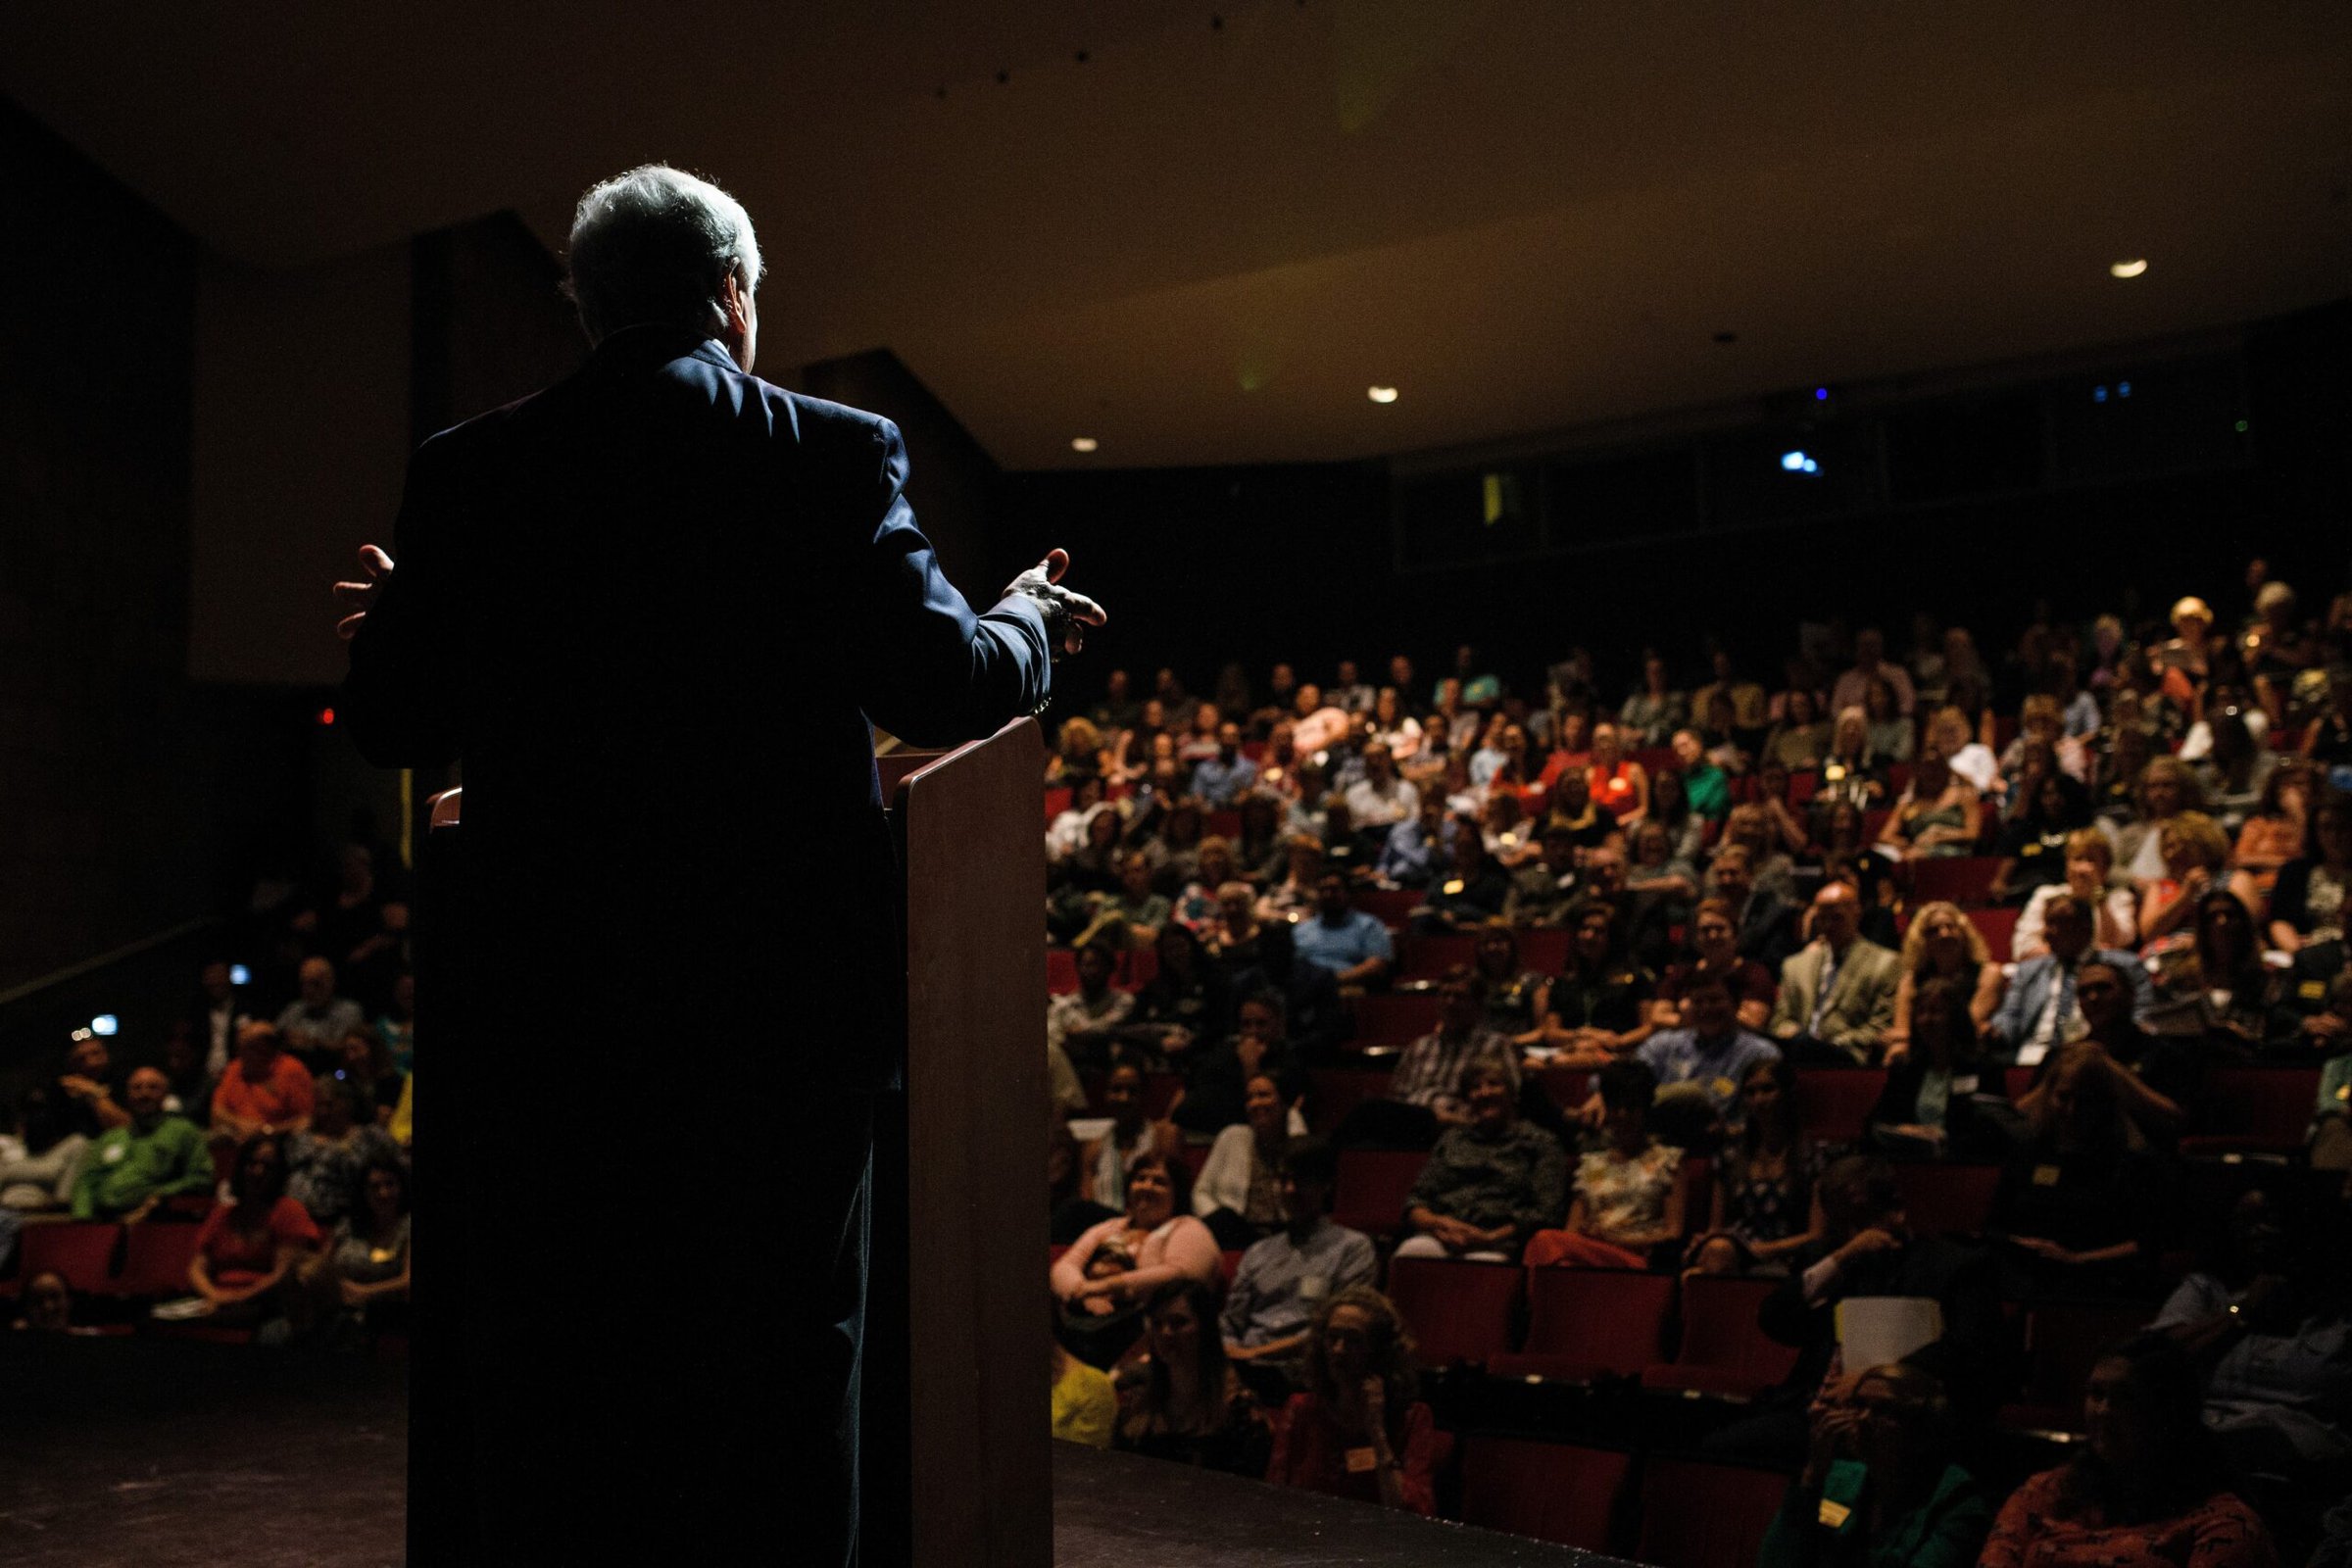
[
  {"x": 1381, "y": 394},
  {"x": 1083, "y": 443},
  {"x": 2131, "y": 268}
]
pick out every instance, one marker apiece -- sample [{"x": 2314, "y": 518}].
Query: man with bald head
[
  {"x": 150, "y": 1157},
  {"x": 1836, "y": 997}
]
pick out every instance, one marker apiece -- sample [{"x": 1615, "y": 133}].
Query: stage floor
[{"x": 139, "y": 1453}]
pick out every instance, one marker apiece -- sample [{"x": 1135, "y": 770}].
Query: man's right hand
[
  {"x": 361, "y": 595},
  {"x": 1067, "y": 613}
]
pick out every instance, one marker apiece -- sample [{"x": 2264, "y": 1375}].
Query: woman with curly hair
[
  {"x": 1944, "y": 943},
  {"x": 2197, "y": 858},
  {"x": 1359, "y": 1431}
]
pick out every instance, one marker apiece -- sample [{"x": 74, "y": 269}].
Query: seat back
[
  {"x": 2063, "y": 1342},
  {"x": 1700, "y": 1515},
  {"x": 1948, "y": 1199},
  {"x": 1459, "y": 1311},
  {"x": 1962, "y": 879},
  {"x": 156, "y": 1258},
  {"x": 81, "y": 1250},
  {"x": 2259, "y": 1108},
  {"x": 1835, "y": 1102},
  {"x": 1612, "y": 1320},
  {"x": 1388, "y": 906},
  {"x": 1428, "y": 958},
  {"x": 1372, "y": 1188},
  {"x": 1720, "y": 1335},
  {"x": 1998, "y": 927},
  {"x": 1394, "y": 1019},
  {"x": 1551, "y": 1490}
]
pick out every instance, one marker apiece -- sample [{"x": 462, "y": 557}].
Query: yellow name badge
[
  {"x": 1835, "y": 1514},
  {"x": 2046, "y": 1175},
  {"x": 1723, "y": 1088},
  {"x": 1360, "y": 1460},
  {"x": 2312, "y": 990},
  {"x": 1453, "y": 887}
]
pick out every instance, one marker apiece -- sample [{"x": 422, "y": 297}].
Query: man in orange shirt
[{"x": 265, "y": 1090}]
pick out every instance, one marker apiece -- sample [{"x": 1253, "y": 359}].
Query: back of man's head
[{"x": 652, "y": 245}]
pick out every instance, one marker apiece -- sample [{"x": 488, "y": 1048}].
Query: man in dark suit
[{"x": 653, "y": 608}]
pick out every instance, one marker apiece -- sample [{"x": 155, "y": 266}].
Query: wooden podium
[{"x": 957, "y": 1467}]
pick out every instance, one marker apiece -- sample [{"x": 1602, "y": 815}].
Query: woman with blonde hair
[
  {"x": 1943, "y": 943},
  {"x": 2196, "y": 852},
  {"x": 2115, "y": 910}
]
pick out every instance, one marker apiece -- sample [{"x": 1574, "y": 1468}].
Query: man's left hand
[
  {"x": 1067, "y": 613},
  {"x": 361, "y": 595}
]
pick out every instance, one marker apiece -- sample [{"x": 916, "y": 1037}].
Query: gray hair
[{"x": 652, "y": 245}]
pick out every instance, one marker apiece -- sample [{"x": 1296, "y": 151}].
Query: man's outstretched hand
[
  {"x": 1068, "y": 614},
  {"x": 361, "y": 595}
]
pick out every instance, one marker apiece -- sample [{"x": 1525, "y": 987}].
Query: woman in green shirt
[{"x": 1876, "y": 1491}]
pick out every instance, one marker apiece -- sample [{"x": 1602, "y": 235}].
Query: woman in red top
[
  {"x": 247, "y": 1249},
  {"x": 2144, "y": 1492},
  {"x": 1358, "y": 1432},
  {"x": 1618, "y": 782}
]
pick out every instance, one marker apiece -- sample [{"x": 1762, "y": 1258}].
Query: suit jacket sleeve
[
  {"x": 931, "y": 672},
  {"x": 400, "y": 696},
  {"x": 1793, "y": 1008}
]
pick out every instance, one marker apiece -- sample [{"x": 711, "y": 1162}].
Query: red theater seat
[
  {"x": 1589, "y": 1323},
  {"x": 1136, "y": 968},
  {"x": 1948, "y": 1199},
  {"x": 1723, "y": 1352},
  {"x": 1458, "y": 1310},
  {"x": 2261, "y": 1110},
  {"x": 1373, "y": 1185},
  {"x": 1226, "y": 825},
  {"x": 1061, "y": 971},
  {"x": 1058, "y": 801},
  {"x": 1835, "y": 1102},
  {"x": 1336, "y": 1091},
  {"x": 1965, "y": 880},
  {"x": 1394, "y": 1019},
  {"x": 2063, "y": 1342},
  {"x": 1998, "y": 927},
  {"x": 82, "y": 1251},
  {"x": 1429, "y": 957},
  {"x": 1700, "y": 1515},
  {"x": 1543, "y": 951},
  {"x": 155, "y": 1260},
  {"x": 1549, "y": 1490},
  {"x": 1390, "y": 905}
]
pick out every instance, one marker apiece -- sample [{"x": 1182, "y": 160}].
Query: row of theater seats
[
  {"x": 100, "y": 1260},
  {"x": 1966, "y": 881},
  {"x": 1803, "y": 784},
  {"x": 2242, "y": 1110},
  {"x": 1654, "y": 1508}
]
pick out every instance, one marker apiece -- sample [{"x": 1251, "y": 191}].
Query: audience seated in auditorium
[
  {"x": 2146, "y": 1490},
  {"x": 312, "y": 1027},
  {"x": 2164, "y": 789},
  {"x": 215, "y": 1015},
  {"x": 1115, "y": 1266},
  {"x": 248, "y": 1248},
  {"x": 1359, "y": 1429},
  {"x": 1868, "y": 1249},
  {"x": 1939, "y": 814},
  {"x": 2308, "y": 903},
  {"x": 1184, "y": 1001},
  {"x": 1801, "y": 738},
  {"x": 1697, "y": 1067},
  {"x": 1515, "y": 993},
  {"x": 1597, "y": 1008},
  {"x": 1283, "y": 1280},
  {"x": 1870, "y": 664},
  {"x": 1943, "y": 943},
  {"x": 1470, "y": 890},
  {"x": 2330, "y": 1136},
  {"x": 88, "y": 1092},
  {"x": 1543, "y": 891},
  {"x": 363, "y": 1276},
  {"x": 1490, "y": 1183},
  {"x": 1086, "y": 1406},
  {"x": 2041, "y": 1009},
  {"x": 1424, "y": 1091},
  {"x": 1104, "y": 1162},
  {"x": 2195, "y": 852},
  {"x": 1626, "y": 1197},
  {"x": 1836, "y": 999},
  {"x": 325, "y": 1161},
  {"x": 41, "y": 1163},
  {"x": 1654, "y": 712},
  {"x": 1571, "y": 805},
  {"x": 45, "y": 1305},
  {"x": 1237, "y": 1192},
  {"x": 2158, "y": 1078},
  {"x": 2037, "y": 834},
  {"x": 1352, "y": 944},
  {"x": 1417, "y": 849},
  {"x": 1183, "y": 1401},
  {"x": 1217, "y": 1072},
  {"x": 1316, "y": 1016},
  {"x": 2078, "y": 1208},
  {"x": 2271, "y": 1321},
  {"x": 1765, "y": 1208},
  {"x": 2224, "y": 992},
  {"x": 1131, "y": 915},
  {"x": 1706, "y": 787},
  {"x": 2274, "y": 832},
  {"x": 1085, "y": 1022},
  {"x": 1765, "y": 920},
  {"x": 2115, "y": 911},
  {"x": 1940, "y": 1102},
  {"x": 1878, "y": 1488},
  {"x": 1714, "y": 942},
  {"x": 127, "y": 1169},
  {"x": 1224, "y": 775}
]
